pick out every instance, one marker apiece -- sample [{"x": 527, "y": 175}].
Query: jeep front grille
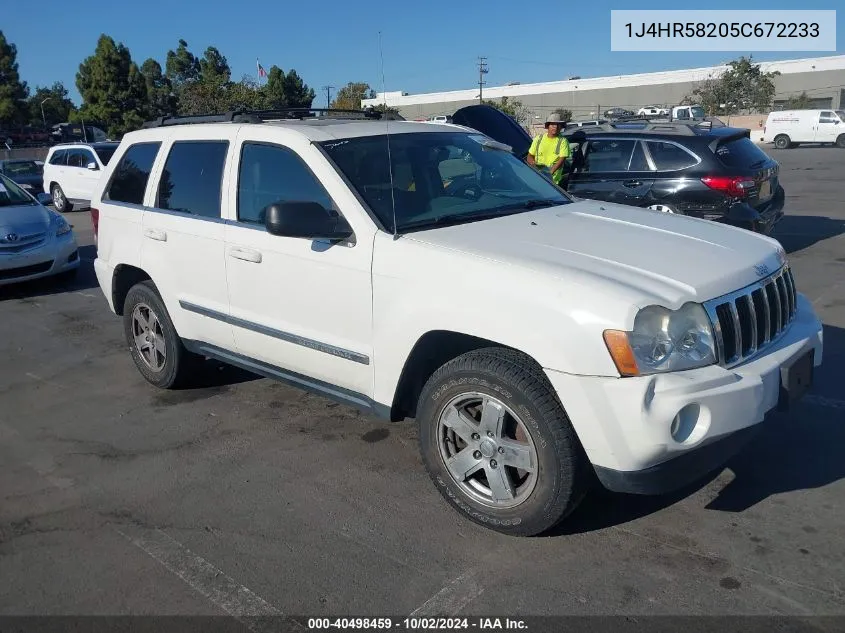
[{"x": 748, "y": 320}]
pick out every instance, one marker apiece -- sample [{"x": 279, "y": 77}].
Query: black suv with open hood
[{"x": 702, "y": 170}]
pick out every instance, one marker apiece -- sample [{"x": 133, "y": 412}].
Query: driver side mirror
[
  {"x": 307, "y": 220},
  {"x": 44, "y": 199},
  {"x": 92, "y": 166}
]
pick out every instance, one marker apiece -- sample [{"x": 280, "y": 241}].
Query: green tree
[
  {"x": 385, "y": 109},
  {"x": 742, "y": 88},
  {"x": 798, "y": 102},
  {"x": 565, "y": 114},
  {"x": 57, "y": 106},
  {"x": 161, "y": 100},
  {"x": 273, "y": 92},
  {"x": 214, "y": 68},
  {"x": 349, "y": 97},
  {"x": 513, "y": 108},
  {"x": 181, "y": 66},
  {"x": 112, "y": 88},
  {"x": 297, "y": 92},
  {"x": 13, "y": 91}
]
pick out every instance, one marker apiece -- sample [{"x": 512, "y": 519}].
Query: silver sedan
[{"x": 34, "y": 241}]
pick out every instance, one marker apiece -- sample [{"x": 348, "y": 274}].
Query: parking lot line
[
  {"x": 205, "y": 578},
  {"x": 453, "y": 597}
]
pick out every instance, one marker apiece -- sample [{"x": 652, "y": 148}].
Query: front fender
[{"x": 559, "y": 324}]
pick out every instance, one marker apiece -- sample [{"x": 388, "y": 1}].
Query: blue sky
[{"x": 428, "y": 46}]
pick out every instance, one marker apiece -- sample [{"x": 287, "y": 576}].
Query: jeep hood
[{"x": 672, "y": 258}]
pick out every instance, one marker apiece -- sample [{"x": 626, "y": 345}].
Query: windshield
[
  {"x": 105, "y": 153},
  {"x": 11, "y": 195},
  {"x": 697, "y": 112},
  {"x": 22, "y": 168},
  {"x": 841, "y": 114},
  {"x": 439, "y": 178}
]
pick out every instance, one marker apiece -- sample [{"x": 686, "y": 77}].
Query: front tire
[
  {"x": 782, "y": 141},
  {"x": 840, "y": 141},
  {"x": 498, "y": 445},
  {"x": 153, "y": 342},
  {"x": 60, "y": 202}
]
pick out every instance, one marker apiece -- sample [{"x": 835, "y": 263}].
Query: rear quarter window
[
  {"x": 129, "y": 181},
  {"x": 670, "y": 157},
  {"x": 741, "y": 154}
]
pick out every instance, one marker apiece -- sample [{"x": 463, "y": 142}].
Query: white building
[{"x": 822, "y": 78}]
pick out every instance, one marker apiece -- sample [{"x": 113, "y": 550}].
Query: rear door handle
[
  {"x": 245, "y": 254},
  {"x": 632, "y": 183},
  {"x": 155, "y": 234}
]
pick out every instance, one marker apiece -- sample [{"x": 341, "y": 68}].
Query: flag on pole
[{"x": 261, "y": 71}]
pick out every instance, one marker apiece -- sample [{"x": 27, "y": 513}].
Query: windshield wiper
[{"x": 498, "y": 212}]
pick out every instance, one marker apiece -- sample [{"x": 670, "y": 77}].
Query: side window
[
  {"x": 638, "y": 160},
  {"x": 608, "y": 155},
  {"x": 827, "y": 117},
  {"x": 193, "y": 177},
  {"x": 59, "y": 157},
  {"x": 88, "y": 158},
  {"x": 670, "y": 157},
  {"x": 75, "y": 158},
  {"x": 132, "y": 173},
  {"x": 271, "y": 173}
]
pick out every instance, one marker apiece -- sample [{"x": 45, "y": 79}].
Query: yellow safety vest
[{"x": 546, "y": 151}]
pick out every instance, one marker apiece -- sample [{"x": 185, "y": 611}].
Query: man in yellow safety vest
[{"x": 549, "y": 151}]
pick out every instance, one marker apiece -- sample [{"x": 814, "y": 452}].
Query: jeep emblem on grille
[
  {"x": 12, "y": 237},
  {"x": 762, "y": 270}
]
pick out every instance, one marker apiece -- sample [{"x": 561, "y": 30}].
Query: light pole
[{"x": 43, "y": 118}]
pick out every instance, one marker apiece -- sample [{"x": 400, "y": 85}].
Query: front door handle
[
  {"x": 156, "y": 234},
  {"x": 632, "y": 183},
  {"x": 245, "y": 254}
]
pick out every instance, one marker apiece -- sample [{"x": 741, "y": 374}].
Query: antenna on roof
[{"x": 387, "y": 130}]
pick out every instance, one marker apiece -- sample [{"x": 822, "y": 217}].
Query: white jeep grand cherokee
[{"x": 540, "y": 342}]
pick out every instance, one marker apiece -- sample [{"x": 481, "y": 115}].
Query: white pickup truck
[{"x": 541, "y": 343}]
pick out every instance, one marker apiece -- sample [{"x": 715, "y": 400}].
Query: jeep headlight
[{"x": 663, "y": 340}]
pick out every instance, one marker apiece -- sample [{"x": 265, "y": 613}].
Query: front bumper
[
  {"x": 56, "y": 255},
  {"x": 625, "y": 424}
]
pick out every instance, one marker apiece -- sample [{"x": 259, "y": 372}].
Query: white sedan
[
  {"x": 653, "y": 111},
  {"x": 34, "y": 241}
]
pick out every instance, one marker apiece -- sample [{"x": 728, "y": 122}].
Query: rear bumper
[
  {"x": 105, "y": 275},
  {"x": 761, "y": 220}
]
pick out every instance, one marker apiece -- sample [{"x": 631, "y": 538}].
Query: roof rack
[
  {"x": 654, "y": 126},
  {"x": 260, "y": 116}
]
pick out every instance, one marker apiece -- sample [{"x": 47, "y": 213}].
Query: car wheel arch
[
  {"x": 124, "y": 278},
  {"x": 431, "y": 351}
]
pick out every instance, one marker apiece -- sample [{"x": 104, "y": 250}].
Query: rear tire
[
  {"x": 840, "y": 141},
  {"x": 154, "y": 344},
  {"x": 60, "y": 202},
  {"x": 782, "y": 141},
  {"x": 501, "y": 392}
]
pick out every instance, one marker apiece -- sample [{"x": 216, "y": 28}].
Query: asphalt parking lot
[{"x": 247, "y": 496}]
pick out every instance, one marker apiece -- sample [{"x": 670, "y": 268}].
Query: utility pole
[
  {"x": 328, "y": 90},
  {"x": 482, "y": 70}
]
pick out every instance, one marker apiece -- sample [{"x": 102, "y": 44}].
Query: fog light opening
[{"x": 685, "y": 425}]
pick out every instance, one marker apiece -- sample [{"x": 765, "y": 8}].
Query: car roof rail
[
  {"x": 641, "y": 125},
  {"x": 260, "y": 116}
]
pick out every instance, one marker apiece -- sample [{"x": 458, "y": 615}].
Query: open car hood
[{"x": 495, "y": 124}]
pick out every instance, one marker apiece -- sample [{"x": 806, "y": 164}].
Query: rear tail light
[
  {"x": 95, "y": 220},
  {"x": 737, "y": 187}
]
